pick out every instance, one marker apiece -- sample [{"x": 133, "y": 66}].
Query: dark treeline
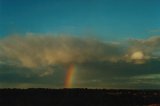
[{"x": 74, "y": 97}]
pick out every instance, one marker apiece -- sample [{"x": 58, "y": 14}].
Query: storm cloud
[{"x": 42, "y": 61}]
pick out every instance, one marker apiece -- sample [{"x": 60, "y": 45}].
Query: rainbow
[{"x": 69, "y": 76}]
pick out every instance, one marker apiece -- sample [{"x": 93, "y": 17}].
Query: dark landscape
[{"x": 77, "y": 96}]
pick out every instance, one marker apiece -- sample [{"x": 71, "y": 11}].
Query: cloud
[
  {"x": 154, "y": 30},
  {"x": 121, "y": 74},
  {"x": 42, "y": 51},
  {"x": 38, "y": 51},
  {"x": 42, "y": 60},
  {"x": 147, "y": 79},
  {"x": 150, "y": 46},
  {"x": 148, "y": 76},
  {"x": 143, "y": 49}
]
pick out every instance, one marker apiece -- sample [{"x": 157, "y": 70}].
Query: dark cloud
[
  {"x": 13, "y": 76},
  {"x": 122, "y": 74}
]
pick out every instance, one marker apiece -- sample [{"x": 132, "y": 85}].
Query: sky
[{"x": 80, "y": 43}]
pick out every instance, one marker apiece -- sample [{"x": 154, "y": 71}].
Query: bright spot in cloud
[{"x": 138, "y": 55}]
